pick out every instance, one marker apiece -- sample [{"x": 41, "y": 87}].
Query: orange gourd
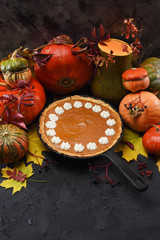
[
  {"x": 139, "y": 110},
  {"x": 151, "y": 140},
  {"x": 35, "y": 105},
  {"x": 135, "y": 79}
]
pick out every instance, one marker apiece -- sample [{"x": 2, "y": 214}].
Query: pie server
[{"x": 135, "y": 179}]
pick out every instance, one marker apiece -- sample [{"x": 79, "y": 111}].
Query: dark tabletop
[{"x": 71, "y": 206}]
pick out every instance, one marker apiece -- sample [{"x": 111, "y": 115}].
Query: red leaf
[
  {"x": 15, "y": 171},
  {"x": 62, "y": 39},
  {"x": 17, "y": 116},
  {"x": 79, "y": 51},
  {"x": 28, "y": 99},
  {"x": 9, "y": 97},
  {"x": 27, "y": 104},
  {"x": 102, "y": 43},
  {"x": 22, "y": 84},
  {"x": 20, "y": 124},
  {"x": 19, "y": 177},
  {"x": 27, "y": 95},
  {"x": 102, "y": 31},
  {"x": 42, "y": 59},
  {"x": 80, "y": 42},
  {"x": 107, "y": 37},
  {"x": 9, "y": 172},
  {"x": 93, "y": 33},
  {"x": 129, "y": 144},
  {"x": 7, "y": 112}
]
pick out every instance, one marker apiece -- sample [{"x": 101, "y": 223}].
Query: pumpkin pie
[{"x": 80, "y": 126}]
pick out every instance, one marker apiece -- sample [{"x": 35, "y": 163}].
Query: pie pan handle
[{"x": 136, "y": 180}]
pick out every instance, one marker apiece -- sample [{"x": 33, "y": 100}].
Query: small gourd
[
  {"x": 135, "y": 79},
  {"x": 152, "y": 65},
  {"x": 15, "y": 69},
  {"x": 13, "y": 143},
  {"x": 139, "y": 110},
  {"x": 151, "y": 140}
]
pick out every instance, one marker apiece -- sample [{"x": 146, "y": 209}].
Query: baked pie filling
[{"x": 80, "y": 126}]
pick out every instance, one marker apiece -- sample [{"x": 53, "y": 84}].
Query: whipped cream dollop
[
  {"x": 109, "y": 132},
  {"x": 78, "y": 147},
  {"x": 56, "y": 140},
  {"x": 59, "y": 110},
  {"x": 78, "y": 104},
  {"x": 110, "y": 122},
  {"x": 53, "y": 117},
  {"x": 96, "y": 108},
  {"x": 67, "y": 106},
  {"x": 51, "y": 124},
  {"x": 105, "y": 114},
  {"x": 91, "y": 146},
  {"x": 51, "y": 132},
  {"x": 65, "y": 146},
  {"x": 103, "y": 140},
  {"x": 88, "y": 105}
]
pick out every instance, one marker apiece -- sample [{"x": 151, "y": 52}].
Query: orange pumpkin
[
  {"x": 151, "y": 140},
  {"x": 135, "y": 79},
  {"x": 35, "y": 105},
  {"x": 139, "y": 110},
  {"x": 65, "y": 72}
]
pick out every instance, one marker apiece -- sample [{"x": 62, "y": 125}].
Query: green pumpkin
[
  {"x": 15, "y": 69},
  {"x": 152, "y": 65},
  {"x": 13, "y": 143},
  {"x": 107, "y": 83},
  {"x": 14, "y": 65}
]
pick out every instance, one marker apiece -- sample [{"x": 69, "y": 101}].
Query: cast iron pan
[{"x": 135, "y": 179}]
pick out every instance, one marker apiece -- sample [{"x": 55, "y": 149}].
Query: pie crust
[{"x": 80, "y": 126}]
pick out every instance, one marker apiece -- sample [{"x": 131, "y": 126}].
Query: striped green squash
[
  {"x": 13, "y": 143},
  {"x": 152, "y": 65},
  {"x": 15, "y": 69}
]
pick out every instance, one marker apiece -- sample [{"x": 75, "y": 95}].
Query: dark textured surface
[
  {"x": 70, "y": 206},
  {"x": 32, "y": 23}
]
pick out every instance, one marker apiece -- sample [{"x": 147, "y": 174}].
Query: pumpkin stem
[
  {"x": 15, "y": 53},
  {"x": 135, "y": 112},
  {"x": 5, "y": 134},
  {"x": 152, "y": 125},
  {"x": 135, "y": 107},
  {"x": 39, "y": 181}
]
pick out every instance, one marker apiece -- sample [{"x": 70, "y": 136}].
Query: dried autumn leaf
[
  {"x": 24, "y": 172},
  {"x": 158, "y": 163},
  {"x": 132, "y": 137},
  {"x": 35, "y": 146},
  {"x": 93, "y": 33}
]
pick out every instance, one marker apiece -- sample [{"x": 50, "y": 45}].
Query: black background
[
  {"x": 32, "y": 23},
  {"x": 70, "y": 206}
]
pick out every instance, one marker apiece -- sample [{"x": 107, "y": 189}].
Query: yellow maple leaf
[
  {"x": 12, "y": 183},
  {"x": 36, "y": 147},
  {"x": 158, "y": 163},
  {"x": 132, "y": 137}
]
